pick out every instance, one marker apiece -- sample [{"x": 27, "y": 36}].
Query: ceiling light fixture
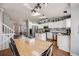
[
  {"x": 36, "y": 14},
  {"x": 37, "y": 7},
  {"x": 42, "y": 17},
  {"x": 33, "y": 11}
]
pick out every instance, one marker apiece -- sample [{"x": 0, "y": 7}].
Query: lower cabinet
[
  {"x": 41, "y": 36},
  {"x": 63, "y": 42}
]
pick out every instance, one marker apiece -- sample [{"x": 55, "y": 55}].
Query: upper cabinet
[{"x": 58, "y": 24}]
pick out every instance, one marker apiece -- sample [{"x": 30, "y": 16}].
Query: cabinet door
[
  {"x": 63, "y": 43},
  {"x": 49, "y": 35}
]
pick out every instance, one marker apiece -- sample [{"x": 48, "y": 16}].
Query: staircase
[
  {"x": 6, "y": 32},
  {"x": 5, "y": 37}
]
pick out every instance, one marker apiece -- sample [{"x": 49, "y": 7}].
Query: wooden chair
[
  {"x": 13, "y": 48},
  {"x": 48, "y": 52},
  {"x": 11, "y": 40}
]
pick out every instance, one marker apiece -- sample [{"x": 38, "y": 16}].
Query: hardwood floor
[
  {"x": 6, "y": 52},
  {"x": 56, "y": 51}
]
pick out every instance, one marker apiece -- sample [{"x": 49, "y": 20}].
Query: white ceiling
[{"x": 17, "y": 11}]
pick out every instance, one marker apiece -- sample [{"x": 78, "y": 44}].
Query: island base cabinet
[{"x": 63, "y": 42}]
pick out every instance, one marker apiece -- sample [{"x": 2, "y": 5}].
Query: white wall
[
  {"x": 0, "y": 28},
  {"x": 23, "y": 26},
  {"x": 32, "y": 24},
  {"x": 75, "y": 29},
  {"x": 0, "y": 21},
  {"x": 7, "y": 20}
]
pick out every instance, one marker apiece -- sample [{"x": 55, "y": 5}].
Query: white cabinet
[
  {"x": 41, "y": 36},
  {"x": 63, "y": 42},
  {"x": 49, "y": 35}
]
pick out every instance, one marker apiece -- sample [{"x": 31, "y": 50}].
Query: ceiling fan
[
  {"x": 33, "y": 11},
  {"x": 36, "y": 8}
]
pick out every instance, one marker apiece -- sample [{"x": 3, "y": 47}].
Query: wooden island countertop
[{"x": 29, "y": 49}]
